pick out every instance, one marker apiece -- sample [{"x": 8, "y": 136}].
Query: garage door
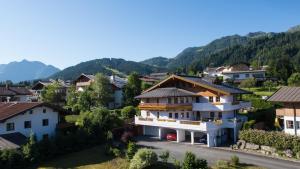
[{"x": 151, "y": 131}]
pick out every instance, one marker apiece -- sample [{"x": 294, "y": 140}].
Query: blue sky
[{"x": 66, "y": 32}]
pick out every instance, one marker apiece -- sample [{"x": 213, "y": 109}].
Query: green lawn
[
  {"x": 261, "y": 91},
  {"x": 93, "y": 158}
]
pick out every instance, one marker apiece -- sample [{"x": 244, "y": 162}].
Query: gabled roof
[
  {"x": 222, "y": 88},
  {"x": 12, "y": 140},
  {"x": 12, "y": 91},
  {"x": 11, "y": 109},
  {"x": 166, "y": 92},
  {"x": 286, "y": 94}
]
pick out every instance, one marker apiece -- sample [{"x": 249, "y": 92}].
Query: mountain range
[
  {"x": 281, "y": 51},
  {"x": 25, "y": 70}
]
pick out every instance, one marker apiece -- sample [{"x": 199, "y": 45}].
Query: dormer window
[
  {"x": 218, "y": 99},
  {"x": 211, "y": 99},
  {"x": 44, "y": 110}
]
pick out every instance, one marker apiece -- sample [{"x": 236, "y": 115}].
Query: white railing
[
  {"x": 220, "y": 106},
  {"x": 188, "y": 124}
]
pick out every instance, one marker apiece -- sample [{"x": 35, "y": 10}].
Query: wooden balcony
[
  {"x": 165, "y": 106},
  {"x": 287, "y": 112}
]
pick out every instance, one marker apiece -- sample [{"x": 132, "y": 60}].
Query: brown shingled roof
[
  {"x": 286, "y": 94},
  {"x": 11, "y": 91},
  {"x": 8, "y": 110}
]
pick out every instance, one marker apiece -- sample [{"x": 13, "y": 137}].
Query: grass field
[
  {"x": 93, "y": 158},
  {"x": 261, "y": 91}
]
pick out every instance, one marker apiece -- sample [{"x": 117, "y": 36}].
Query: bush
[
  {"x": 116, "y": 152},
  {"x": 164, "y": 156},
  {"x": 30, "y": 150},
  {"x": 235, "y": 160},
  {"x": 221, "y": 164},
  {"x": 131, "y": 150},
  {"x": 191, "y": 162},
  {"x": 177, "y": 164},
  {"x": 143, "y": 158},
  {"x": 278, "y": 140},
  {"x": 128, "y": 112},
  {"x": 11, "y": 159},
  {"x": 249, "y": 125}
]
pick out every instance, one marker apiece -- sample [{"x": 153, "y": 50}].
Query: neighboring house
[
  {"x": 117, "y": 84},
  {"x": 154, "y": 78},
  {"x": 289, "y": 115},
  {"x": 237, "y": 73},
  {"x": 192, "y": 108},
  {"x": 11, "y": 93},
  {"x": 30, "y": 117},
  {"x": 38, "y": 88}
]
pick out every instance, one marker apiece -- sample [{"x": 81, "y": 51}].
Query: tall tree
[
  {"x": 52, "y": 94},
  {"x": 102, "y": 90},
  {"x": 294, "y": 79},
  {"x": 132, "y": 89}
]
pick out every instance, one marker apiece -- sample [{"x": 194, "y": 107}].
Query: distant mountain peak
[
  {"x": 294, "y": 29},
  {"x": 26, "y": 70}
]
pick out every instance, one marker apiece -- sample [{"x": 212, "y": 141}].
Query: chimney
[{"x": 7, "y": 99}]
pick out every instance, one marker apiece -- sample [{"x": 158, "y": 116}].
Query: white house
[
  {"x": 32, "y": 117},
  {"x": 192, "y": 108},
  {"x": 117, "y": 84},
  {"x": 237, "y": 72},
  {"x": 288, "y": 116}
]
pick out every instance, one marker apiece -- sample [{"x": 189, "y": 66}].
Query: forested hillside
[{"x": 106, "y": 66}]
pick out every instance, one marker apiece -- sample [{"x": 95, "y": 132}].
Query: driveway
[{"x": 178, "y": 150}]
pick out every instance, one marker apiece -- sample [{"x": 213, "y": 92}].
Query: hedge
[{"x": 278, "y": 140}]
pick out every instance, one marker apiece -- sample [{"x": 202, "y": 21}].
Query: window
[
  {"x": 236, "y": 76},
  {"x": 218, "y": 99},
  {"x": 289, "y": 124},
  {"x": 181, "y": 99},
  {"x": 45, "y": 122},
  {"x": 148, "y": 114},
  {"x": 157, "y": 115},
  {"x": 297, "y": 124},
  {"x": 176, "y": 115},
  {"x": 27, "y": 124},
  {"x": 30, "y": 111},
  {"x": 44, "y": 110},
  {"x": 175, "y": 100},
  {"x": 211, "y": 99},
  {"x": 170, "y": 115},
  {"x": 169, "y": 100},
  {"x": 247, "y": 75},
  {"x": 45, "y": 136},
  {"x": 211, "y": 114},
  {"x": 147, "y": 100},
  {"x": 220, "y": 115},
  {"x": 197, "y": 100},
  {"x": 10, "y": 126},
  {"x": 187, "y": 100},
  {"x": 182, "y": 115},
  {"x": 187, "y": 115}
]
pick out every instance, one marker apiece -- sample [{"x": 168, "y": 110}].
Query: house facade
[
  {"x": 237, "y": 73},
  {"x": 13, "y": 93},
  {"x": 117, "y": 84},
  {"x": 26, "y": 118},
  {"x": 192, "y": 108},
  {"x": 288, "y": 117}
]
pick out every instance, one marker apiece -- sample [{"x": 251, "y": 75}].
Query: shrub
[
  {"x": 177, "y": 164},
  {"x": 191, "y": 162},
  {"x": 131, "y": 150},
  {"x": 221, "y": 164},
  {"x": 249, "y": 125},
  {"x": 11, "y": 159},
  {"x": 278, "y": 140},
  {"x": 235, "y": 160},
  {"x": 143, "y": 158},
  {"x": 116, "y": 152},
  {"x": 164, "y": 156},
  {"x": 30, "y": 150},
  {"x": 128, "y": 112}
]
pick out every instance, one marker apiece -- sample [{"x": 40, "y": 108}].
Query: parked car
[
  {"x": 203, "y": 139},
  {"x": 172, "y": 137}
]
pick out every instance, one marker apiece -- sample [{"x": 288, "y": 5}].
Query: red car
[{"x": 172, "y": 137}]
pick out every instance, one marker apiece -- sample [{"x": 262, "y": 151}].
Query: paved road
[{"x": 178, "y": 150}]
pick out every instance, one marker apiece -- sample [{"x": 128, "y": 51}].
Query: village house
[
  {"x": 13, "y": 93},
  {"x": 237, "y": 72},
  {"x": 20, "y": 119},
  {"x": 117, "y": 85},
  {"x": 38, "y": 88},
  {"x": 288, "y": 116},
  {"x": 192, "y": 109}
]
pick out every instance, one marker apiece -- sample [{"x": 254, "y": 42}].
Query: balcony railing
[
  {"x": 221, "y": 106},
  {"x": 165, "y": 106},
  {"x": 188, "y": 124}
]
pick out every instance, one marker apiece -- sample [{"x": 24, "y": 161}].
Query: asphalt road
[{"x": 212, "y": 155}]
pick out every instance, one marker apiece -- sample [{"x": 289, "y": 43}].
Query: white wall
[
  {"x": 36, "y": 119},
  {"x": 291, "y": 131}
]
